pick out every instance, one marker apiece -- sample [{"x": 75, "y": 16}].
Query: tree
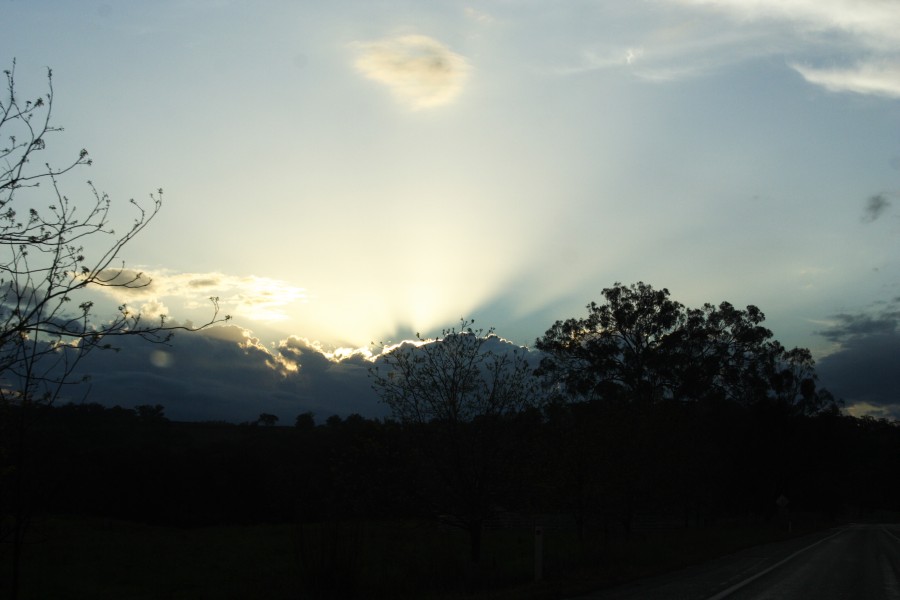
[
  {"x": 151, "y": 413},
  {"x": 267, "y": 420},
  {"x": 642, "y": 358},
  {"x": 53, "y": 251},
  {"x": 641, "y": 347},
  {"x": 456, "y": 392},
  {"x": 622, "y": 350},
  {"x": 305, "y": 421}
]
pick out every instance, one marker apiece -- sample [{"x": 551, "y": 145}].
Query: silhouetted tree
[
  {"x": 52, "y": 249},
  {"x": 305, "y": 421},
  {"x": 456, "y": 392},
  {"x": 153, "y": 413},
  {"x": 266, "y": 420},
  {"x": 641, "y": 355},
  {"x": 623, "y": 349},
  {"x": 640, "y": 346}
]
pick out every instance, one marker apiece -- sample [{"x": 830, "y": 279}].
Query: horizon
[{"x": 347, "y": 175}]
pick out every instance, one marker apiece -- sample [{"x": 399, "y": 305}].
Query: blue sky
[{"x": 349, "y": 172}]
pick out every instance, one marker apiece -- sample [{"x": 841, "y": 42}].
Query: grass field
[{"x": 74, "y": 558}]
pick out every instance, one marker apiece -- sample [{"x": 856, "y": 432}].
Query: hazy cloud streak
[
  {"x": 864, "y": 78},
  {"x": 868, "y": 28},
  {"x": 839, "y": 45}
]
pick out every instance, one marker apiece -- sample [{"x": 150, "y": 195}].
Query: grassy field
[{"x": 96, "y": 559}]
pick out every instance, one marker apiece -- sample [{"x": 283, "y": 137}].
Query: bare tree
[
  {"x": 457, "y": 391},
  {"x": 53, "y": 251}
]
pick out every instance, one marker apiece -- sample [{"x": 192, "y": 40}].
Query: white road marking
[{"x": 737, "y": 586}]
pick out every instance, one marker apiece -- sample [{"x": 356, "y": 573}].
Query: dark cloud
[
  {"x": 850, "y": 326},
  {"x": 875, "y": 206},
  {"x": 225, "y": 374},
  {"x": 864, "y": 370}
]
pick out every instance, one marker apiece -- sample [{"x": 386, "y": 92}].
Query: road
[{"x": 854, "y": 562}]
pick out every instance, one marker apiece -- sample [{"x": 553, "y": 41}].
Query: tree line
[
  {"x": 612, "y": 425},
  {"x": 643, "y": 405},
  {"x": 615, "y": 421}
]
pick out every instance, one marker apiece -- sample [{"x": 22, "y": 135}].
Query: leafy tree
[
  {"x": 622, "y": 349},
  {"x": 643, "y": 357},
  {"x": 642, "y": 347},
  {"x": 457, "y": 392},
  {"x": 52, "y": 251},
  {"x": 724, "y": 353}
]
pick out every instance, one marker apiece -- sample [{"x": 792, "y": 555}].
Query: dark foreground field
[
  {"x": 122, "y": 503},
  {"x": 69, "y": 557}
]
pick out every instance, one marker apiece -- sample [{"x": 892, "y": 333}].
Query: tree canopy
[{"x": 641, "y": 346}]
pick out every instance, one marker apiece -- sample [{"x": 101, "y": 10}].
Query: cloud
[
  {"x": 257, "y": 298},
  {"x": 870, "y": 22},
  {"x": 877, "y": 79},
  {"x": 863, "y": 371},
  {"x": 478, "y": 16},
  {"x": 864, "y": 409},
  {"x": 224, "y": 373},
  {"x": 671, "y": 52},
  {"x": 419, "y": 70},
  {"x": 846, "y": 327},
  {"x": 875, "y": 207},
  {"x": 869, "y": 29},
  {"x": 840, "y": 45}
]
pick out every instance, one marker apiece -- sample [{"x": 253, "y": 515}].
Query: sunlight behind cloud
[
  {"x": 419, "y": 70},
  {"x": 251, "y": 297}
]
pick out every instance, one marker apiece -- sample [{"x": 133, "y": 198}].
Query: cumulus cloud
[
  {"x": 258, "y": 298},
  {"x": 225, "y": 373},
  {"x": 863, "y": 371},
  {"x": 419, "y": 70},
  {"x": 875, "y": 207}
]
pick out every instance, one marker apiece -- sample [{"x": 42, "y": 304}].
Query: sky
[{"x": 345, "y": 173}]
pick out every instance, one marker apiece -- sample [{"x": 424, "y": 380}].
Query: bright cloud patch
[
  {"x": 419, "y": 70},
  {"x": 257, "y": 298},
  {"x": 877, "y": 79}
]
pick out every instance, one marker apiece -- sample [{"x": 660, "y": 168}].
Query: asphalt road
[{"x": 854, "y": 562}]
